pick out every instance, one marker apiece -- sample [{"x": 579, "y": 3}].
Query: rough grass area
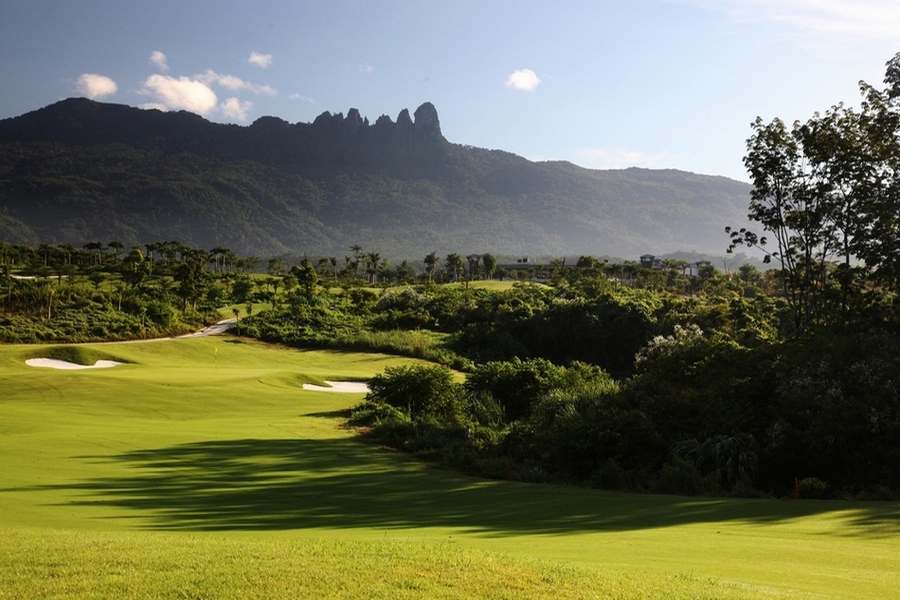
[{"x": 204, "y": 470}]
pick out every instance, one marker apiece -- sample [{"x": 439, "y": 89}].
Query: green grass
[
  {"x": 494, "y": 285},
  {"x": 201, "y": 469},
  {"x": 66, "y": 564},
  {"x": 227, "y": 312}
]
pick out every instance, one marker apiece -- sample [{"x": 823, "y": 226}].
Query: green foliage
[
  {"x": 91, "y": 323},
  {"x": 812, "y": 487},
  {"x": 838, "y": 410},
  {"x": 515, "y": 385},
  {"x": 826, "y": 191},
  {"x": 731, "y": 458},
  {"x": 421, "y": 392}
]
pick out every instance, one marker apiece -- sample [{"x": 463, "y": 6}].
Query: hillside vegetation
[{"x": 80, "y": 170}]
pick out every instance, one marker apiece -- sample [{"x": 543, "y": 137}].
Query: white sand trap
[
  {"x": 52, "y": 363},
  {"x": 353, "y": 387}
]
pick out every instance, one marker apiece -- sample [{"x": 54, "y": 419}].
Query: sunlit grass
[
  {"x": 203, "y": 469},
  {"x": 73, "y": 565}
]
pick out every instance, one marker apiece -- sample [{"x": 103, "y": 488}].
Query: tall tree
[
  {"x": 307, "y": 277},
  {"x": 191, "y": 278},
  {"x": 788, "y": 202},
  {"x": 359, "y": 258},
  {"x": 372, "y": 261},
  {"x": 135, "y": 267},
  {"x": 117, "y": 248},
  {"x": 275, "y": 267},
  {"x": 489, "y": 261},
  {"x": 454, "y": 264},
  {"x": 828, "y": 190},
  {"x": 96, "y": 250},
  {"x": 879, "y": 213},
  {"x": 430, "y": 263}
]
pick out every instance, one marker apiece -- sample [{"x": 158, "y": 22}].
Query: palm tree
[
  {"x": 94, "y": 247},
  {"x": 490, "y": 265},
  {"x": 430, "y": 263},
  {"x": 150, "y": 248},
  {"x": 372, "y": 260},
  {"x": 237, "y": 317},
  {"x": 358, "y": 257},
  {"x": 215, "y": 255},
  {"x": 117, "y": 247},
  {"x": 7, "y": 276},
  {"x": 454, "y": 265}
]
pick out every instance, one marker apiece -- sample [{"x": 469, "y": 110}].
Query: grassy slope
[{"x": 209, "y": 449}]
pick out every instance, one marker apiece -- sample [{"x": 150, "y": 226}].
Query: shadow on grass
[{"x": 255, "y": 484}]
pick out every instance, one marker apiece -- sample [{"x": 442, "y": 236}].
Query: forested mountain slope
[{"x": 80, "y": 170}]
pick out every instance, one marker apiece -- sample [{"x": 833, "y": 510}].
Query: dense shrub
[
  {"x": 515, "y": 385},
  {"x": 419, "y": 392}
]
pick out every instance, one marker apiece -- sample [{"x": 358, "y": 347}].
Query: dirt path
[{"x": 220, "y": 327}]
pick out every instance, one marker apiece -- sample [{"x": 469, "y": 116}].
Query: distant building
[
  {"x": 649, "y": 261},
  {"x": 693, "y": 269}
]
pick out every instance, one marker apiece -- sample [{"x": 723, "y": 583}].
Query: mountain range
[{"x": 80, "y": 170}]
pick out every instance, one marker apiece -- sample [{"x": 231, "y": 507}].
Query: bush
[
  {"x": 516, "y": 385},
  {"x": 419, "y": 391},
  {"x": 683, "y": 478},
  {"x": 814, "y": 488}
]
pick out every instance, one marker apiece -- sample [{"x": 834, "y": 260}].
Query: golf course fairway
[{"x": 201, "y": 468}]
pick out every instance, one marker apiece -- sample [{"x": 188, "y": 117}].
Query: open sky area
[{"x": 601, "y": 83}]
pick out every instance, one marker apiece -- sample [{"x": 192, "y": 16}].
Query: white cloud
[
  {"x": 235, "y": 84},
  {"x": 367, "y": 69},
  {"x": 524, "y": 79},
  {"x": 95, "y": 86},
  {"x": 617, "y": 158},
  {"x": 183, "y": 93},
  {"x": 233, "y": 108},
  {"x": 159, "y": 59},
  {"x": 296, "y": 96},
  {"x": 264, "y": 61}
]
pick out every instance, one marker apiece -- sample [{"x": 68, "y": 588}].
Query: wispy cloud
[
  {"x": 263, "y": 61},
  {"x": 617, "y": 158},
  {"x": 367, "y": 69},
  {"x": 858, "y": 18},
  {"x": 302, "y": 98},
  {"x": 95, "y": 86},
  {"x": 235, "y": 84},
  {"x": 524, "y": 79},
  {"x": 159, "y": 59}
]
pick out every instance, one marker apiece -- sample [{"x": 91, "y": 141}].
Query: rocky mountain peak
[{"x": 426, "y": 120}]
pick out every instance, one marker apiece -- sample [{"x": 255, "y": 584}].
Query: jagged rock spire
[{"x": 426, "y": 120}]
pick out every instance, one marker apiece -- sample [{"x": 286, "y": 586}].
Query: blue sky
[{"x": 603, "y": 83}]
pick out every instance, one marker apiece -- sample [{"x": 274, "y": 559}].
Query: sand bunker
[
  {"x": 52, "y": 363},
  {"x": 354, "y": 387}
]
